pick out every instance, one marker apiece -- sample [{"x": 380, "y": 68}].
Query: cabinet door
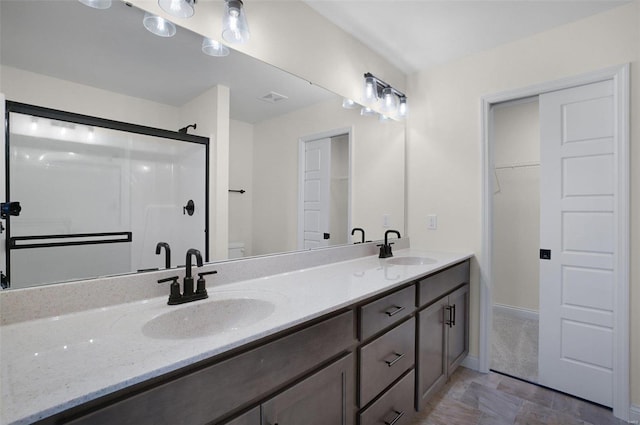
[
  {"x": 431, "y": 363},
  {"x": 458, "y": 340},
  {"x": 326, "y": 397},
  {"x": 252, "y": 417}
]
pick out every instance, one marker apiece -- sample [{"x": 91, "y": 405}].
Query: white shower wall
[{"x": 116, "y": 182}]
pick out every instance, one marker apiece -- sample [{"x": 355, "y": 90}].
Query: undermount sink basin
[
  {"x": 411, "y": 261},
  {"x": 207, "y": 318}
]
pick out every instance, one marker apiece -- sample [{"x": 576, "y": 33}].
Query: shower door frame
[{"x": 55, "y": 114}]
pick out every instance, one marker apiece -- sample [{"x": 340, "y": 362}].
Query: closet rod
[{"x": 518, "y": 165}]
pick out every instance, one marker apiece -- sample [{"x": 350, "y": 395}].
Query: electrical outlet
[
  {"x": 386, "y": 221},
  {"x": 432, "y": 222}
]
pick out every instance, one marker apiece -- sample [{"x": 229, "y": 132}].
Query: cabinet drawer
[
  {"x": 384, "y": 359},
  {"x": 395, "y": 406},
  {"x": 214, "y": 391},
  {"x": 386, "y": 311},
  {"x": 439, "y": 284}
]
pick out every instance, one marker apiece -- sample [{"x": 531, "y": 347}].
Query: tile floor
[{"x": 472, "y": 398}]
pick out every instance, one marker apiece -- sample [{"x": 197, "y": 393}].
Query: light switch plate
[{"x": 432, "y": 222}]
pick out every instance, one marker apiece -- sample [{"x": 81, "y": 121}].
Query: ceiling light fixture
[
  {"x": 159, "y": 26},
  {"x": 97, "y": 4},
  {"x": 394, "y": 102},
  {"x": 213, "y": 47},
  {"x": 178, "y": 8},
  {"x": 235, "y": 28}
]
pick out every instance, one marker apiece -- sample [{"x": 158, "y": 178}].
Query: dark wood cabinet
[
  {"x": 326, "y": 397},
  {"x": 443, "y": 329},
  {"x": 432, "y": 365},
  {"x": 457, "y": 328}
]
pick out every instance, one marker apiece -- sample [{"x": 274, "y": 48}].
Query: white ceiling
[
  {"x": 418, "y": 34},
  {"x": 111, "y": 50}
]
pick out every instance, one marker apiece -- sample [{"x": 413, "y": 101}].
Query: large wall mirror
[{"x": 276, "y": 132}]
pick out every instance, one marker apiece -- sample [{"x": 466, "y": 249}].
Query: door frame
[
  {"x": 301, "y": 166},
  {"x": 620, "y": 77}
]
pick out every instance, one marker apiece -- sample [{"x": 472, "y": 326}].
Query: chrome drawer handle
[
  {"x": 396, "y": 419},
  {"x": 396, "y": 309},
  {"x": 394, "y": 361}
]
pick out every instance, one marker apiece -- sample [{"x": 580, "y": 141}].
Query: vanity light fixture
[
  {"x": 367, "y": 111},
  {"x": 158, "y": 26},
  {"x": 349, "y": 103},
  {"x": 97, "y": 4},
  {"x": 389, "y": 100},
  {"x": 213, "y": 47},
  {"x": 235, "y": 28},
  {"x": 402, "y": 107},
  {"x": 394, "y": 102},
  {"x": 178, "y": 8},
  {"x": 370, "y": 94}
]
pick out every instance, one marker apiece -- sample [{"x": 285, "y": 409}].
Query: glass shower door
[{"x": 96, "y": 201}]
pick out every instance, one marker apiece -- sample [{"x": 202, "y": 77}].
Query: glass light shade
[
  {"x": 349, "y": 103},
  {"x": 402, "y": 107},
  {"x": 389, "y": 100},
  {"x": 384, "y": 118},
  {"x": 370, "y": 94},
  {"x": 158, "y": 25},
  {"x": 178, "y": 8},
  {"x": 235, "y": 28},
  {"x": 213, "y": 47},
  {"x": 367, "y": 112},
  {"x": 97, "y": 4}
]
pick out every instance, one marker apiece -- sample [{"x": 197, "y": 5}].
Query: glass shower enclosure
[{"x": 96, "y": 196}]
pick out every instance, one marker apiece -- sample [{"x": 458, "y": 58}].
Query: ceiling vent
[{"x": 273, "y": 97}]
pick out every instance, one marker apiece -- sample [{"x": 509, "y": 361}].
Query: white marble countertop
[{"x": 50, "y": 365}]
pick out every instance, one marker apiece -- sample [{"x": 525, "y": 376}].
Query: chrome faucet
[
  {"x": 385, "y": 250},
  {"x": 167, "y": 253}
]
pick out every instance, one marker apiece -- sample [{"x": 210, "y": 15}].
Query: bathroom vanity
[{"x": 363, "y": 341}]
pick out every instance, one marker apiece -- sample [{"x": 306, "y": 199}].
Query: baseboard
[
  {"x": 634, "y": 414},
  {"x": 471, "y": 362},
  {"x": 522, "y": 313}
]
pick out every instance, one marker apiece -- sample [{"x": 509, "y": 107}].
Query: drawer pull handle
[
  {"x": 394, "y": 361},
  {"x": 392, "y": 312},
  {"x": 453, "y": 322},
  {"x": 396, "y": 419}
]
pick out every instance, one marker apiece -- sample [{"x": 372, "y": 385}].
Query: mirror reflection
[{"x": 278, "y": 143}]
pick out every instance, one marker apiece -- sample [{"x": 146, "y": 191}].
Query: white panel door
[
  {"x": 578, "y": 216},
  {"x": 317, "y": 184}
]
